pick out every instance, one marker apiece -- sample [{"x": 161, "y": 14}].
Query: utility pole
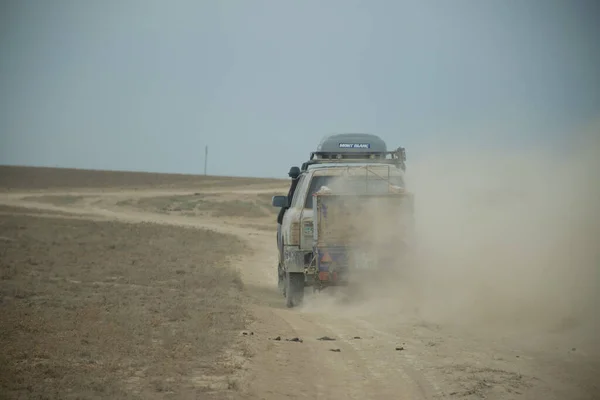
[{"x": 205, "y": 158}]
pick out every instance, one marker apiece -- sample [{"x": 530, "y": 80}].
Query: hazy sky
[{"x": 146, "y": 84}]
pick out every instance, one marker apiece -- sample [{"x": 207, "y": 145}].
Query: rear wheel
[
  {"x": 294, "y": 289},
  {"x": 280, "y": 272},
  {"x": 281, "y": 280}
]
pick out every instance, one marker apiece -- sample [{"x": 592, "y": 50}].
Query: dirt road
[{"x": 375, "y": 348}]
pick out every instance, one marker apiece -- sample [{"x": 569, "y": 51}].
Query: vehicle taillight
[{"x": 295, "y": 234}]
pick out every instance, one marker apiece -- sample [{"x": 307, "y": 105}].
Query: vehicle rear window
[{"x": 355, "y": 184}]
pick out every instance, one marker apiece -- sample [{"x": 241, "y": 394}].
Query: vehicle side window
[
  {"x": 299, "y": 192},
  {"x": 315, "y": 185}
]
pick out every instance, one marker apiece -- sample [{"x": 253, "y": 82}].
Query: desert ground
[{"x": 147, "y": 286}]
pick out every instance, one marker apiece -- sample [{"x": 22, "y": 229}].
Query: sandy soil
[{"x": 164, "y": 287}]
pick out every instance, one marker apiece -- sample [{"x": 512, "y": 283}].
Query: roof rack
[{"x": 396, "y": 158}]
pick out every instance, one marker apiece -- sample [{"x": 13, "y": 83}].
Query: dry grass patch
[
  {"x": 264, "y": 199},
  {"x": 55, "y": 200},
  {"x": 6, "y": 209},
  {"x": 112, "y": 310},
  {"x": 199, "y": 204},
  {"x": 38, "y": 178},
  {"x": 262, "y": 227}
]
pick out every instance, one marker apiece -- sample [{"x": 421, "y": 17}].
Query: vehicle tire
[
  {"x": 294, "y": 294},
  {"x": 281, "y": 280}
]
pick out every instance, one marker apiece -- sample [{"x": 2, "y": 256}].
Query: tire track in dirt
[{"x": 310, "y": 369}]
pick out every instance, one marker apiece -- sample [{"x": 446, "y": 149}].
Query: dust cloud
[
  {"x": 504, "y": 242},
  {"x": 510, "y": 240}
]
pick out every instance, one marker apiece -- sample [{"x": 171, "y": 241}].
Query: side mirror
[{"x": 279, "y": 201}]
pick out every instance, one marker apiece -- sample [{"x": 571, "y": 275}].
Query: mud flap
[
  {"x": 294, "y": 289},
  {"x": 294, "y": 260}
]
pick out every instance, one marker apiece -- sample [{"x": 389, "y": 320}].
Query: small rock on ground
[{"x": 325, "y": 338}]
